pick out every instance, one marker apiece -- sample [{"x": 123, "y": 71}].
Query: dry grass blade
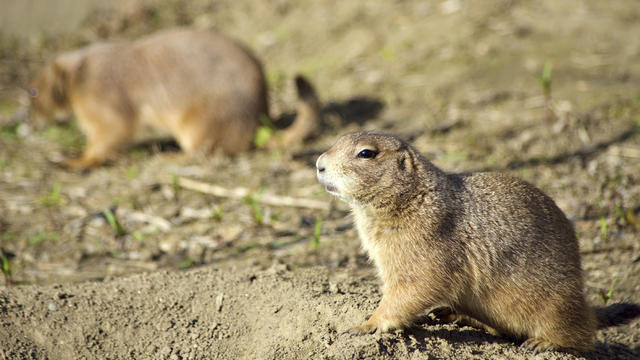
[
  {"x": 240, "y": 193},
  {"x": 156, "y": 221}
]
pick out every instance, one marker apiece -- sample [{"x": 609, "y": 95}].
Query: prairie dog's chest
[{"x": 380, "y": 238}]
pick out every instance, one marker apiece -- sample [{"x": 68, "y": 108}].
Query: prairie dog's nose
[{"x": 320, "y": 164}]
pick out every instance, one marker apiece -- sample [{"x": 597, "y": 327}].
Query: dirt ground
[{"x": 188, "y": 275}]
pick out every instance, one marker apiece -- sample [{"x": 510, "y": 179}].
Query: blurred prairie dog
[
  {"x": 199, "y": 86},
  {"x": 493, "y": 249}
]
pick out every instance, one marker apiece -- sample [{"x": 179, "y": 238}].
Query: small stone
[
  {"x": 334, "y": 288},
  {"x": 219, "y": 299}
]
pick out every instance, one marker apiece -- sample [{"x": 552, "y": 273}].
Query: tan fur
[
  {"x": 493, "y": 248},
  {"x": 203, "y": 88}
]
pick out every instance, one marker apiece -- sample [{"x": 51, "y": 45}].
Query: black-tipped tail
[
  {"x": 307, "y": 121},
  {"x": 616, "y": 314},
  {"x": 305, "y": 89}
]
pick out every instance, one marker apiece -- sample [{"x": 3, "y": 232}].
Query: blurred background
[
  {"x": 30, "y": 18},
  {"x": 545, "y": 90}
]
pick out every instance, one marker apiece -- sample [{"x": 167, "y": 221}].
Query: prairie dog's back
[
  {"x": 515, "y": 219},
  {"x": 206, "y": 63},
  {"x": 516, "y": 234},
  {"x": 202, "y": 87},
  {"x": 175, "y": 68}
]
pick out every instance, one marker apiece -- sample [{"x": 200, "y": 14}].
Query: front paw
[
  {"x": 82, "y": 164},
  {"x": 538, "y": 345},
  {"x": 366, "y": 328}
]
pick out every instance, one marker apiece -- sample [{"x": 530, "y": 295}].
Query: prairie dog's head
[
  {"x": 49, "y": 95},
  {"x": 368, "y": 168}
]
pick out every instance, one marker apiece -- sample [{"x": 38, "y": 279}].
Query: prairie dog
[
  {"x": 201, "y": 87},
  {"x": 494, "y": 249}
]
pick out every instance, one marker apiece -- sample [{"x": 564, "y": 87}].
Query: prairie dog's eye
[
  {"x": 33, "y": 92},
  {"x": 367, "y": 154}
]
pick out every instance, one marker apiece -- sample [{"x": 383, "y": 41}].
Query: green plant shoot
[
  {"x": 315, "y": 242},
  {"x": 606, "y": 296},
  {"x": 545, "y": 79},
  {"x": 604, "y": 228},
  {"x": 264, "y": 132},
  {"x": 53, "y": 198},
  {"x": 6, "y": 265},
  {"x": 113, "y": 222}
]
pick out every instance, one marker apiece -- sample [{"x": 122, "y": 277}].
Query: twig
[
  {"x": 628, "y": 152},
  {"x": 160, "y": 223},
  {"x": 598, "y": 250},
  {"x": 239, "y": 193}
]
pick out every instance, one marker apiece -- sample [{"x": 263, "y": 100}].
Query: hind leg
[
  {"x": 567, "y": 339},
  {"x": 194, "y": 141},
  {"x": 538, "y": 345},
  {"x": 566, "y": 324},
  {"x": 448, "y": 315},
  {"x": 196, "y": 132},
  {"x": 200, "y": 137}
]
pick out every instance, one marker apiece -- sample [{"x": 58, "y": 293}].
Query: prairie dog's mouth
[{"x": 330, "y": 188}]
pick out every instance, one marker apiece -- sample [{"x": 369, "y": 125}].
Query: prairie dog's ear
[{"x": 405, "y": 161}]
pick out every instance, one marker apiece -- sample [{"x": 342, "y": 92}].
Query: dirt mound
[{"x": 228, "y": 314}]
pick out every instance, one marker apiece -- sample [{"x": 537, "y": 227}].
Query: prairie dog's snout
[
  {"x": 325, "y": 176},
  {"x": 320, "y": 165}
]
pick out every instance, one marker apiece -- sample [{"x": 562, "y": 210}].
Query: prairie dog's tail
[
  {"x": 307, "y": 121},
  {"x": 616, "y": 314}
]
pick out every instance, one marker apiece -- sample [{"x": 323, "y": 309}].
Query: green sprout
[
  {"x": 606, "y": 296},
  {"x": 217, "y": 213},
  {"x": 604, "y": 228},
  {"x": 545, "y": 80},
  {"x": 113, "y": 222},
  {"x": 264, "y": 133},
  {"x": 252, "y": 200},
  {"x": 257, "y": 213},
  {"x": 53, "y": 198},
  {"x": 315, "y": 241},
  {"x": 42, "y": 236},
  {"x": 175, "y": 183},
  {"x": 6, "y": 269},
  {"x": 186, "y": 263}
]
